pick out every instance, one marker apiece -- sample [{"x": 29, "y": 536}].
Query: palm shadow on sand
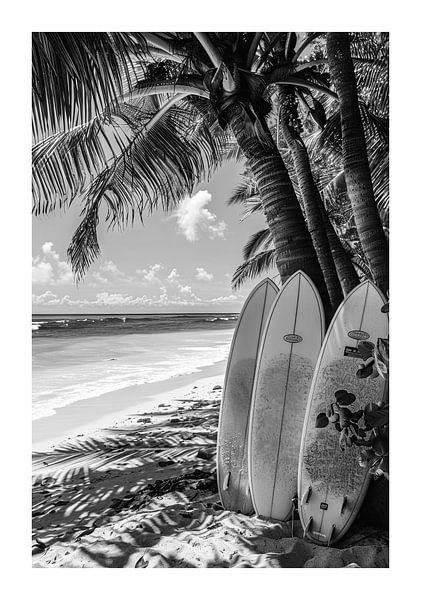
[{"x": 146, "y": 496}]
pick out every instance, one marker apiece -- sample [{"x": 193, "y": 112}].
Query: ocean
[{"x": 76, "y": 357}]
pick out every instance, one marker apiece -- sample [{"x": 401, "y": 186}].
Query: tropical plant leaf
[
  {"x": 380, "y": 445},
  {"x": 157, "y": 168},
  {"x": 344, "y": 398},
  {"x": 376, "y": 416},
  {"x": 259, "y": 240},
  {"x": 243, "y": 192},
  {"x": 253, "y": 267},
  {"x": 365, "y": 349},
  {"x": 64, "y": 163},
  {"x": 75, "y": 76},
  {"x": 381, "y": 357},
  {"x": 321, "y": 421}
]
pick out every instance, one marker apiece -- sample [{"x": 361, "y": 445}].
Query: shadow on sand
[{"x": 146, "y": 496}]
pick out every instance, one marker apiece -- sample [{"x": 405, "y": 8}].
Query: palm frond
[
  {"x": 252, "y": 206},
  {"x": 156, "y": 170},
  {"x": 361, "y": 266},
  {"x": 64, "y": 163},
  {"x": 257, "y": 241},
  {"x": 243, "y": 191},
  {"x": 233, "y": 151},
  {"x": 84, "y": 248},
  {"x": 75, "y": 76},
  {"x": 374, "y": 126},
  {"x": 253, "y": 267}
]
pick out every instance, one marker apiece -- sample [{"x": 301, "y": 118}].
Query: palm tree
[
  {"x": 258, "y": 252},
  {"x": 154, "y": 116},
  {"x": 216, "y": 75},
  {"x": 290, "y": 130},
  {"x": 370, "y": 58},
  {"x": 356, "y": 165}
]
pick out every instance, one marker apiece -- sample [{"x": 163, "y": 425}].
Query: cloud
[
  {"x": 164, "y": 289},
  {"x": 42, "y": 272},
  {"x": 106, "y": 299},
  {"x": 203, "y": 275},
  {"x": 230, "y": 298},
  {"x": 110, "y": 273},
  {"x": 49, "y": 269},
  {"x": 176, "y": 286},
  {"x": 151, "y": 273},
  {"x": 192, "y": 218}
]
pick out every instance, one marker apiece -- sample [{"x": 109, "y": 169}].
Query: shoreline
[
  {"x": 81, "y": 418},
  {"x": 143, "y": 494}
]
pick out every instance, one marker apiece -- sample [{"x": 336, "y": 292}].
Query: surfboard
[
  {"x": 232, "y": 471},
  {"x": 288, "y": 354},
  {"x": 331, "y": 484}
]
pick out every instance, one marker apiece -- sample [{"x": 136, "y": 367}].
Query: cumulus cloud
[
  {"x": 192, "y": 218},
  {"x": 48, "y": 269},
  {"x": 176, "y": 286},
  {"x": 109, "y": 273},
  {"x": 42, "y": 272},
  {"x": 203, "y": 275},
  {"x": 106, "y": 300},
  {"x": 150, "y": 274},
  {"x": 223, "y": 299},
  {"x": 164, "y": 288}
]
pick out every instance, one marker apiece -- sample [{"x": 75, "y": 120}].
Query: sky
[{"x": 175, "y": 262}]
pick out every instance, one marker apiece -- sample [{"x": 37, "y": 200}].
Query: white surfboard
[
  {"x": 331, "y": 484},
  {"x": 290, "y": 346},
  {"x": 232, "y": 468}
]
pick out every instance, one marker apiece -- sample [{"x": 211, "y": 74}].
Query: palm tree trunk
[
  {"x": 356, "y": 166},
  {"x": 310, "y": 197},
  {"x": 291, "y": 239},
  {"x": 345, "y": 269}
]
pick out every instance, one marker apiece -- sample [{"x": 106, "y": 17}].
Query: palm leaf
[
  {"x": 75, "y": 76},
  {"x": 243, "y": 191},
  {"x": 260, "y": 239},
  {"x": 64, "y": 163},
  {"x": 156, "y": 169},
  {"x": 253, "y": 267}
]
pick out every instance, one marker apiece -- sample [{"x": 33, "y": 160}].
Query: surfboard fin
[
  {"x": 344, "y": 504},
  {"x": 226, "y": 483},
  {"x": 307, "y": 527},
  {"x": 306, "y": 496},
  {"x": 329, "y": 539}
]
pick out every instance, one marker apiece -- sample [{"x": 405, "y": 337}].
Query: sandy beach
[{"x": 141, "y": 492}]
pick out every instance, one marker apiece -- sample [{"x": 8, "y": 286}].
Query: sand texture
[{"x": 143, "y": 494}]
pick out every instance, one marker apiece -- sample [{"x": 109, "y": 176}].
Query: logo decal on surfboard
[
  {"x": 356, "y": 334},
  {"x": 351, "y": 351},
  {"x": 293, "y": 338}
]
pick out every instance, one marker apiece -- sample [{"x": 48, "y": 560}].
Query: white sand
[{"x": 143, "y": 494}]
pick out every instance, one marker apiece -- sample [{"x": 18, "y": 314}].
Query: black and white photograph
[{"x": 210, "y": 299}]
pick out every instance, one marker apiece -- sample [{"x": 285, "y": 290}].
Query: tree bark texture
[
  {"x": 310, "y": 197},
  {"x": 356, "y": 166},
  {"x": 291, "y": 239}
]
